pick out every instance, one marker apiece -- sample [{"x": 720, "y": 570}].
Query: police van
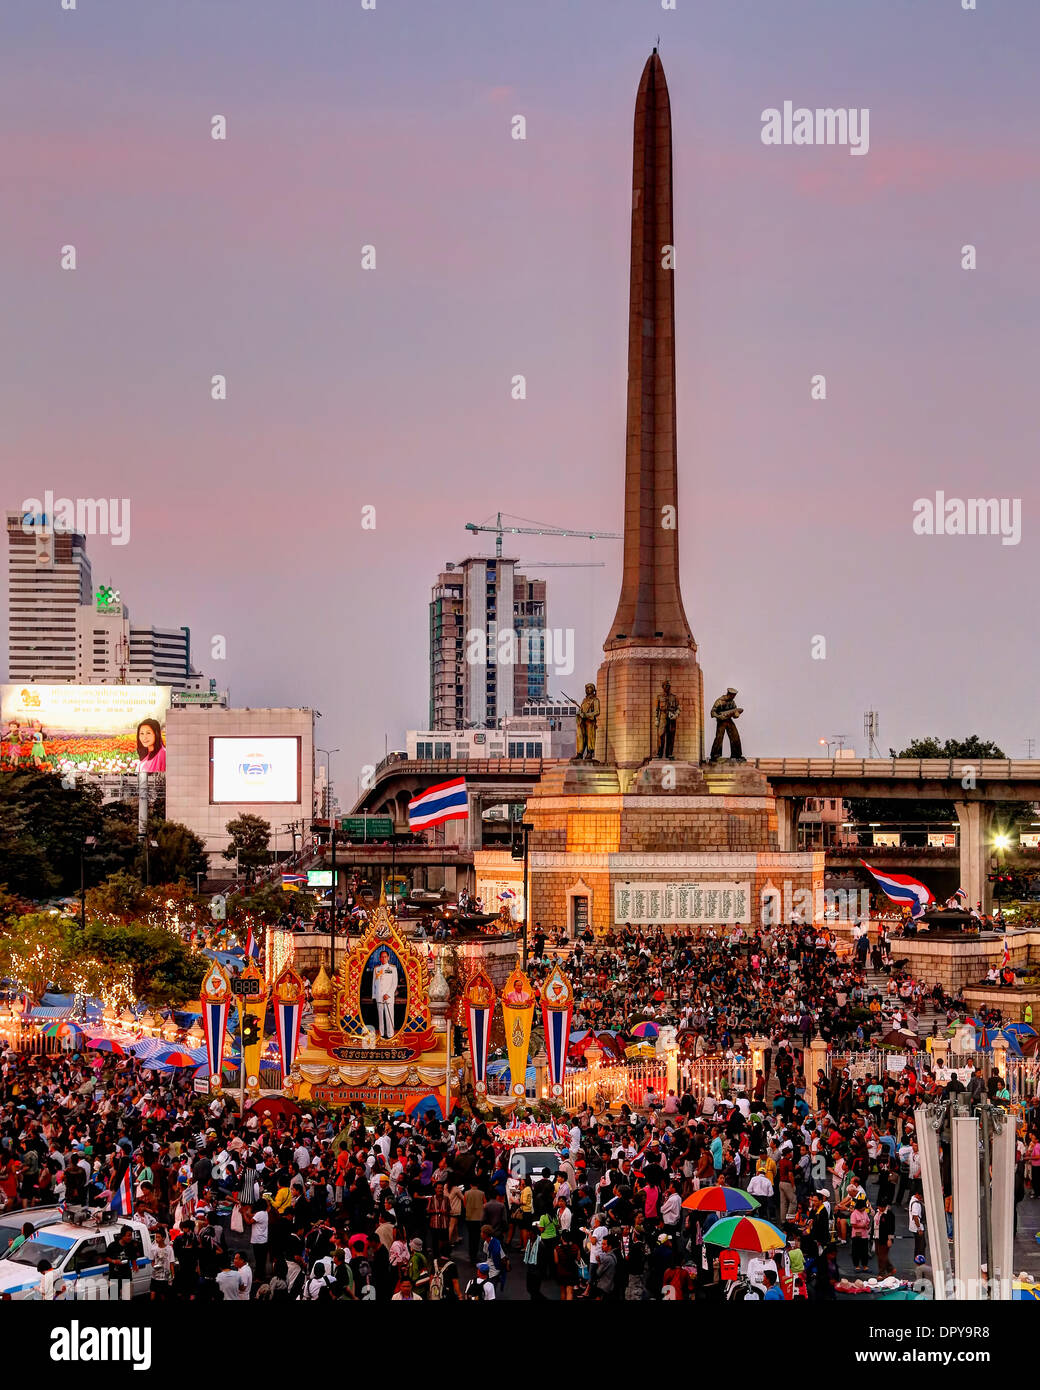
[{"x": 78, "y": 1251}]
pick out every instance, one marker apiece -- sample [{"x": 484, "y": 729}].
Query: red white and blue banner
[
  {"x": 903, "y": 889},
  {"x": 444, "y": 802},
  {"x": 252, "y": 945},
  {"x": 123, "y": 1197},
  {"x": 287, "y": 999},
  {"x": 557, "y": 1008},
  {"x": 479, "y": 1000},
  {"x": 216, "y": 1001}
]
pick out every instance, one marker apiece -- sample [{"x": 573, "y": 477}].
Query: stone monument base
[{"x": 675, "y": 844}]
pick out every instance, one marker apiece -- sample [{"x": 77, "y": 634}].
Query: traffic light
[{"x": 250, "y": 1030}]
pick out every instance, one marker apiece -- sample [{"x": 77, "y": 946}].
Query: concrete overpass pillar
[
  {"x": 475, "y": 823},
  {"x": 976, "y": 822},
  {"x": 788, "y": 809}
]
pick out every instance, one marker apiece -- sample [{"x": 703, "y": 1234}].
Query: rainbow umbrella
[
  {"x": 745, "y": 1233},
  {"x": 64, "y": 1029},
  {"x": 175, "y": 1057},
  {"x": 646, "y": 1029},
  {"x": 720, "y": 1198}
]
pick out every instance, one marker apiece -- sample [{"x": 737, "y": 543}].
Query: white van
[{"x": 79, "y": 1252}]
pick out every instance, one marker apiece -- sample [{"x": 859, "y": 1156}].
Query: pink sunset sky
[{"x": 391, "y": 387}]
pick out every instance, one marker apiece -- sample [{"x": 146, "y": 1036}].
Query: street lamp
[
  {"x": 88, "y": 843},
  {"x": 327, "y": 754},
  {"x": 828, "y": 744}
]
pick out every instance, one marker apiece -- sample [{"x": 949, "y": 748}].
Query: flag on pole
[
  {"x": 123, "y": 1197},
  {"x": 903, "y": 889},
  {"x": 216, "y": 1003},
  {"x": 557, "y": 1008},
  {"x": 252, "y": 945},
  {"x": 1005, "y": 959},
  {"x": 518, "y": 1000},
  {"x": 444, "y": 802},
  {"x": 288, "y": 996},
  {"x": 479, "y": 1000}
]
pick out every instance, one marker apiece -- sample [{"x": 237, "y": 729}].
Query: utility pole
[{"x": 327, "y": 754}]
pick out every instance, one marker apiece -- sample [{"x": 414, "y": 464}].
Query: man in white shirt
[
  {"x": 302, "y": 1158},
  {"x": 756, "y": 1269}
]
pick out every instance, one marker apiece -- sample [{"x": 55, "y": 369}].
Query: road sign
[{"x": 249, "y": 987}]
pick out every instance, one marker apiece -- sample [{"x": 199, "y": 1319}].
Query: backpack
[
  {"x": 475, "y": 1289},
  {"x": 437, "y": 1282}
]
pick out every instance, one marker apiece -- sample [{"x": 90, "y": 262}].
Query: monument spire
[
  {"x": 650, "y": 608},
  {"x": 650, "y": 643}
]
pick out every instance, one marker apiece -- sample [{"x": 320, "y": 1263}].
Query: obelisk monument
[
  {"x": 641, "y": 832},
  {"x": 650, "y": 639}
]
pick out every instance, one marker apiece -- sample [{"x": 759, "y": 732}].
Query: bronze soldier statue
[
  {"x": 586, "y": 720},
  {"x": 725, "y": 713},
  {"x": 666, "y": 718}
]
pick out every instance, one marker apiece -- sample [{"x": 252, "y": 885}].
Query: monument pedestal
[
  {"x": 628, "y": 684},
  {"x": 670, "y": 843}
]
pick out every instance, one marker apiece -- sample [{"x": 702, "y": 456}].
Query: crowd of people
[
  {"x": 323, "y": 1206},
  {"x": 308, "y": 1203}
]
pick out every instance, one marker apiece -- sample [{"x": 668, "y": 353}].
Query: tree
[
  {"x": 269, "y": 903},
  {"x": 33, "y": 950},
  {"x": 250, "y": 838},
  {"x": 970, "y": 747},
  {"x": 121, "y": 898},
  {"x": 162, "y": 968},
  {"x": 177, "y": 854},
  {"x": 44, "y": 827}
]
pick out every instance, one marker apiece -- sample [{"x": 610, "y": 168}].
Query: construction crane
[{"x": 536, "y": 528}]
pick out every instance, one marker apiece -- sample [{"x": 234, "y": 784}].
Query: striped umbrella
[
  {"x": 745, "y": 1233},
  {"x": 720, "y": 1198},
  {"x": 107, "y": 1045}
]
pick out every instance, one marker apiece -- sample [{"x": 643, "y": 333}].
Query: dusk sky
[{"x": 391, "y": 387}]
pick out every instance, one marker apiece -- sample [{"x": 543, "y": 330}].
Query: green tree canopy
[
  {"x": 268, "y": 903},
  {"x": 250, "y": 838},
  {"x": 178, "y": 853}
]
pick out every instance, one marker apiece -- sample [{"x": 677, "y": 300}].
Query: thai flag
[
  {"x": 1006, "y": 957},
  {"x": 444, "y": 802},
  {"x": 252, "y": 945},
  {"x": 123, "y": 1197},
  {"x": 507, "y": 894},
  {"x": 214, "y": 1024},
  {"x": 479, "y": 1021},
  {"x": 557, "y": 1025},
  {"x": 287, "y": 1030},
  {"x": 903, "y": 889}
]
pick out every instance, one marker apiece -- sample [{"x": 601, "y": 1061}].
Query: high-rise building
[
  {"x": 487, "y": 643},
  {"x": 48, "y": 578},
  {"x": 61, "y": 631}
]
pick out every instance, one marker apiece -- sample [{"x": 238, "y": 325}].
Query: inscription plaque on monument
[{"x": 682, "y": 903}]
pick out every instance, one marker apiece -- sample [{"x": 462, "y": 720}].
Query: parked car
[
  {"x": 79, "y": 1252},
  {"x": 14, "y": 1218}
]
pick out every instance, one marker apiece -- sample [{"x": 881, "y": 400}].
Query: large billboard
[
  {"x": 93, "y": 729},
  {"x": 257, "y": 769}
]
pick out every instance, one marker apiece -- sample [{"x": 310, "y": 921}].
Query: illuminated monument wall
[{"x": 633, "y": 836}]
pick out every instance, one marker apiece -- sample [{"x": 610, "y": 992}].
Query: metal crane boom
[{"x": 499, "y": 530}]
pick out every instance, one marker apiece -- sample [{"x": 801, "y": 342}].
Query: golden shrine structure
[{"x": 380, "y": 1033}]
